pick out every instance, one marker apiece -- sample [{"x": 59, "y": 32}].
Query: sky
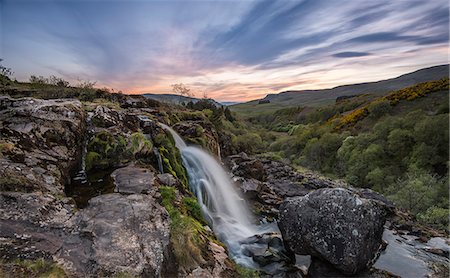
[{"x": 228, "y": 50}]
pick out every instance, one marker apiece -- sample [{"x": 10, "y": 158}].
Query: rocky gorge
[{"x": 98, "y": 189}]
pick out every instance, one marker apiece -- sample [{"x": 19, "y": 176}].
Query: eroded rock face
[
  {"x": 44, "y": 141},
  {"x": 336, "y": 225}
]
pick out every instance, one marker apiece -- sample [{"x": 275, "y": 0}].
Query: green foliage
[
  {"x": 377, "y": 109},
  {"x": 249, "y": 142},
  {"x": 417, "y": 192},
  {"x": 436, "y": 217},
  {"x": 386, "y": 141}
]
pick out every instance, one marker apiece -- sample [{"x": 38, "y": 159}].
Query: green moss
[
  {"x": 106, "y": 150},
  {"x": 139, "y": 144},
  {"x": 91, "y": 159},
  {"x": 188, "y": 236},
  {"x": 193, "y": 208},
  {"x": 173, "y": 118},
  {"x": 245, "y": 272},
  {"x": 123, "y": 275},
  {"x": 171, "y": 157},
  {"x": 28, "y": 268}
]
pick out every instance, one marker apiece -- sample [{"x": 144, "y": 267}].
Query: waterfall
[{"x": 221, "y": 205}]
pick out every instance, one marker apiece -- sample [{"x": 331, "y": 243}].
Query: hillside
[
  {"x": 177, "y": 99},
  {"x": 316, "y": 98}
]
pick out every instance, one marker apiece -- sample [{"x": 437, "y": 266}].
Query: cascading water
[{"x": 221, "y": 205}]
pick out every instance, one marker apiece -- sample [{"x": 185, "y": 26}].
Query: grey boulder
[{"x": 335, "y": 225}]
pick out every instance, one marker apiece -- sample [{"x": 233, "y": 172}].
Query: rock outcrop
[
  {"x": 40, "y": 143},
  {"x": 266, "y": 183},
  {"x": 335, "y": 225}
]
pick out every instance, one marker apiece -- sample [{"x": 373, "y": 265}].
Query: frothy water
[{"x": 221, "y": 205}]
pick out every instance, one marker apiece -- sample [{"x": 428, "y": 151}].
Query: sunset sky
[{"x": 232, "y": 50}]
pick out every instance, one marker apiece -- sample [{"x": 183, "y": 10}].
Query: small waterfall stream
[{"x": 221, "y": 205}]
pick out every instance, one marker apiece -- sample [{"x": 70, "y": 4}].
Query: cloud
[
  {"x": 350, "y": 54},
  {"x": 232, "y": 49}
]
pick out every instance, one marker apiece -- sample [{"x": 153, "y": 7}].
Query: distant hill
[
  {"x": 176, "y": 99},
  {"x": 328, "y": 96}
]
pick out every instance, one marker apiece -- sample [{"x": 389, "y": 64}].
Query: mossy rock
[
  {"x": 171, "y": 157},
  {"x": 106, "y": 150}
]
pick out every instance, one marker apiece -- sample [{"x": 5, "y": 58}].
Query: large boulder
[{"x": 335, "y": 225}]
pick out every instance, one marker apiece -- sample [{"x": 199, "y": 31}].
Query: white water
[{"x": 221, "y": 205}]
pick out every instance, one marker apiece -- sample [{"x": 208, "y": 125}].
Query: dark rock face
[
  {"x": 41, "y": 142},
  {"x": 133, "y": 180},
  {"x": 335, "y": 225}
]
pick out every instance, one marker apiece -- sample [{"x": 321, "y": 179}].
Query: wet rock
[
  {"x": 335, "y": 225},
  {"x": 133, "y": 180},
  {"x": 374, "y": 196},
  {"x": 268, "y": 251}
]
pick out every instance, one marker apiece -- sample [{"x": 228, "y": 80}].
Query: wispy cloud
[{"x": 235, "y": 50}]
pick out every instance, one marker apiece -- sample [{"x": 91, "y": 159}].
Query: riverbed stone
[{"x": 335, "y": 225}]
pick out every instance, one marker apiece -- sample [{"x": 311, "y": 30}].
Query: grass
[
  {"x": 187, "y": 235},
  {"x": 39, "y": 268}
]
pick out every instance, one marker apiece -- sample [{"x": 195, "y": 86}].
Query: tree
[
  {"x": 7, "y": 72},
  {"x": 182, "y": 90}
]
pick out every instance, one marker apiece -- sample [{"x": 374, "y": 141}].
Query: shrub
[
  {"x": 377, "y": 109},
  {"x": 435, "y": 216}
]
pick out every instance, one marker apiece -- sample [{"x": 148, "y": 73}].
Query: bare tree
[
  {"x": 181, "y": 89},
  {"x": 205, "y": 94}
]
